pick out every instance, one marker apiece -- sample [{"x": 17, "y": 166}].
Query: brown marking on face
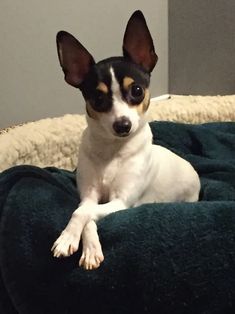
[
  {"x": 91, "y": 112},
  {"x": 127, "y": 81},
  {"x": 102, "y": 87},
  {"x": 143, "y": 106}
]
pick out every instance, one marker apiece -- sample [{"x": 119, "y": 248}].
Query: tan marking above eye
[
  {"x": 127, "y": 81},
  {"x": 102, "y": 87}
]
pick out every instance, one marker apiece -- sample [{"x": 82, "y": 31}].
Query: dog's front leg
[
  {"x": 92, "y": 255},
  {"x": 68, "y": 241},
  {"x": 82, "y": 223}
]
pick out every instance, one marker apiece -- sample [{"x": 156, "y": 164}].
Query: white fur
[{"x": 121, "y": 173}]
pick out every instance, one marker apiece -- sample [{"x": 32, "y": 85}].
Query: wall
[
  {"x": 202, "y": 47},
  {"x": 31, "y": 81}
]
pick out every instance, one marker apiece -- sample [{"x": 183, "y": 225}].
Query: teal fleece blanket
[{"x": 159, "y": 258}]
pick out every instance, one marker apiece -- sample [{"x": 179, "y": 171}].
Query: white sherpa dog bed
[{"x": 55, "y": 141}]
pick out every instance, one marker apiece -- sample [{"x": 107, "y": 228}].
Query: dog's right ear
[
  {"x": 138, "y": 44},
  {"x": 74, "y": 59}
]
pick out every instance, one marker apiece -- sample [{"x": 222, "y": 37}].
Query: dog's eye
[
  {"x": 99, "y": 99},
  {"x": 136, "y": 94},
  {"x": 136, "y": 90},
  {"x": 101, "y": 102}
]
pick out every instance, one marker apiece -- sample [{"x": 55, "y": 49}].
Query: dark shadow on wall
[{"x": 202, "y": 47}]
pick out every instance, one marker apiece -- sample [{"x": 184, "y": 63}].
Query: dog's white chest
[{"x": 109, "y": 172}]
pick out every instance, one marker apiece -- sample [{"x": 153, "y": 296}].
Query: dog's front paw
[
  {"x": 92, "y": 256},
  {"x": 66, "y": 244}
]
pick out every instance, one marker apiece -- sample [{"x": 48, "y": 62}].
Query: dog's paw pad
[{"x": 65, "y": 245}]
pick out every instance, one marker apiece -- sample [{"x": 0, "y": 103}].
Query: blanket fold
[{"x": 159, "y": 258}]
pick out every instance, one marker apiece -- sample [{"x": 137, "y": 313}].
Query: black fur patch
[{"x": 100, "y": 72}]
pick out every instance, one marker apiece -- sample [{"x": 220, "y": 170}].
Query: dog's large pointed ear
[
  {"x": 138, "y": 44},
  {"x": 74, "y": 59}
]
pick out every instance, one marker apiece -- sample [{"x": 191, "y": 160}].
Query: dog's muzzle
[{"x": 122, "y": 126}]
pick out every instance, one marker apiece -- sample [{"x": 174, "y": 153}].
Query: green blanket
[{"x": 159, "y": 258}]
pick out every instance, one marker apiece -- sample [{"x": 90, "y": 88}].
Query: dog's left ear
[
  {"x": 74, "y": 59},
  {"x": 138, "y": 44}
]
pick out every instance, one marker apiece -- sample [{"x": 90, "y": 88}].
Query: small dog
[{"x": 119, "y": 167}]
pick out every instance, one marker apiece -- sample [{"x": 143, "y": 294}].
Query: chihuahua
[{"x": 118, "y": 165}]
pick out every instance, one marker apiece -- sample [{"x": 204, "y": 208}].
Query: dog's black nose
[{"x": 122, "y": 126}]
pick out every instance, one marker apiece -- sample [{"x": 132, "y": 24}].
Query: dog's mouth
[{"x": 122, "y": 134}]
